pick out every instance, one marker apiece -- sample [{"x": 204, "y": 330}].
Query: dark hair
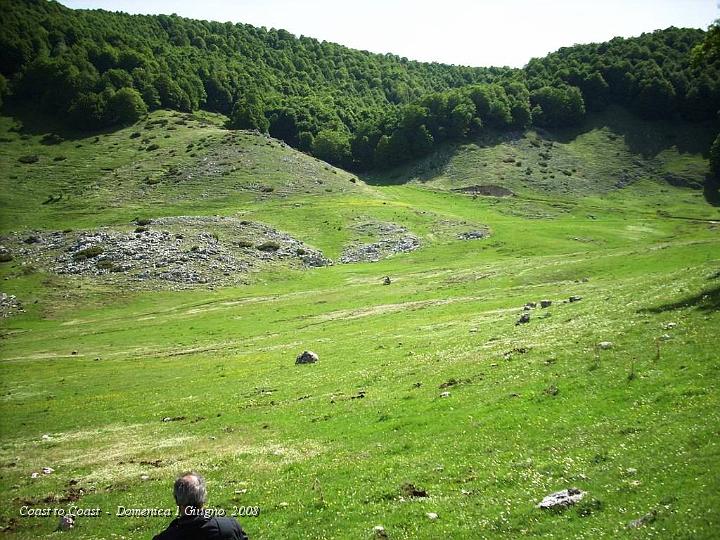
[{"x": 190, "y": 490}]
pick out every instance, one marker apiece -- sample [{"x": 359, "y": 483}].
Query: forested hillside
[{"x": 95, "y": 69}]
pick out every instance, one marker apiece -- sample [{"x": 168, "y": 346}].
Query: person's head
[{"x": 190, "y": 490}]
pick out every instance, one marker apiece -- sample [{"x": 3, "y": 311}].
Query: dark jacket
[{"x": 203, "y": 528}]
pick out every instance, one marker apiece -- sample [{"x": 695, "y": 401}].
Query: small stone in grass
[
  {"x": 66, "y": 523},
  {"x": 642, "y": 521},
  {"x": 306, "y": 357},
  {"x": 432, "y": 516}
]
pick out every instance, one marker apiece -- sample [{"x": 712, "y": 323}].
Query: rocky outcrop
[
  {"x": 182, "y": 250},
  {"x": 390, "y": 239},
  {"x": 488, "y": 190},
  {"x": 473, "y": 235},
  {"x": 10, "y": 305}
]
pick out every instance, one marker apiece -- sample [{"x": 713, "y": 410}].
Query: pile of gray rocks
[
  {"x": 390, "y": 239},
  {"x": 10, "y": 305},
  {"x": 182, "y": 250}
]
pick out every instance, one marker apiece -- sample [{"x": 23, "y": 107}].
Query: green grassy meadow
[{"x": 90, "y": 371}]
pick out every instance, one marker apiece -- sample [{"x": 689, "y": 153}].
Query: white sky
[{"x": 476, "y": 33}]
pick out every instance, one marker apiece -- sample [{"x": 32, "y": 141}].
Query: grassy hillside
[
  {"x": 173, "y": 163},
  {"x": 610, "y": 150},
  {"x": 120, "y": 388}
]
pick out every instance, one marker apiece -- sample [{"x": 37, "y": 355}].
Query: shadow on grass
[
  {"x": 33, "y": 122},
  {"x": 646, "y": 138},
  {"x": 643, "y": 138},
  {"x": 424, "y": 169},
  {"x": 707, "y": 300},
  {"x": 434, "y": 165}
]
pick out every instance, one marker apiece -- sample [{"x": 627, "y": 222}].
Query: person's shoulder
[
  {"x": 230, "y": 528},
  {"x": 165, "y": 535},
  {"x": 169, "y": 533}
]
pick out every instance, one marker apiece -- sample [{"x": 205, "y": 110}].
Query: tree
[
  {"x": 708, "y": 51},
  {"x": 219, "y": 97},
  {"x": 60, "y": 59},
  {"x": 3, "y": 89},
  {"x": 492, "y": 105},
  {"x": 557, "y": 107},
  {"x": 129, "y": 59},
  {"x": 104, "y": 57},
  {"x": 386, "y": 154},
  {"x": 87, "y": 111},
  {"x": 143, "y": 82},
  {"x": 126, "y": 106},
  {"x": 655, "y": 99},
  {"x": 116, "y": 79},
  {"x": 712, "y": 182},
  {"x": 715, "y": 158},
  {"x": 363, "y": 144},
  {"x": 519, "y": 99},
  {"x": 249, "y": 113},
  {"x": 305, "y": 141},
  {"x": 284, "y": 125},
  {"x": 333, "y": 147},
  {"x": 595, "y": 91},
  {"x": 420, "y": 142},
  {"x": 171, "y": 95},
  {"x": 459, "y": 120}
]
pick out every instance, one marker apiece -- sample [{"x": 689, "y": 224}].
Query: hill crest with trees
[{"x": 94, "y": 69}]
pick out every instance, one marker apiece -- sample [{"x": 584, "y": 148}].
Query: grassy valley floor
[{"x": 120, "y": 385}]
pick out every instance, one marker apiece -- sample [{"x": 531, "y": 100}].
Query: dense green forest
[{"x": 95, "y": 69}]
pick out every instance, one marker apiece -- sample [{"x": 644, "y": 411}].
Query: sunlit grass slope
[{"x": 89, "y": 373}]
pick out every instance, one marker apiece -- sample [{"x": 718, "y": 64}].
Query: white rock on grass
[
  {"x": 432, "y": 516},
  {"x": 561, "y": 499},
  {"x": 605, "y": 345}
]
